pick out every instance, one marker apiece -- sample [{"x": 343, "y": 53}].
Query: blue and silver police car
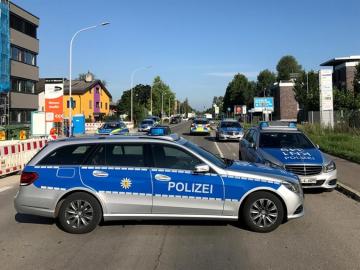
[
  {"x": 146, "y": 125},
  {"x": 282, "y": 145},
  {"x": 113, "y": 128},
  {"x": 229, "y": 129},
  {"x": 152, "y": 177}
]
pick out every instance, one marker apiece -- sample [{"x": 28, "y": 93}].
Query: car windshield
[
  {"x": 284, "y": 140},
  {"x": 147, "y": 122},
  {"x": 206, "y": 154},
  {"x": 200, "y": 122},
  {"x": 231, "y": 124},
  {"x": 111, "y": 125}
]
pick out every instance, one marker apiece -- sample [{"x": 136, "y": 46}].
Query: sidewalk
[{"x": 348, "y": 173}]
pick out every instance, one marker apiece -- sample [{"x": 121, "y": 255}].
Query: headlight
[
  {"x": 273, "y": 165},
  {"x": 330, "y": 167},
  {"x": 292, "y": 186}
]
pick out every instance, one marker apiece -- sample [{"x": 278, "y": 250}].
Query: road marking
[
  {"x": 5, "y": 188},
  {"x": 218, "y": 148}
]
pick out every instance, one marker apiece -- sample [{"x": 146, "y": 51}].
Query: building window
[
  {"x": 97, "y": 104},
  {"x": 20, "y": 116},
  {"x": 101, "y": 105},
  {"x": 25, "y": 86},
  {"x": 97, "y": 90},
  {"x": 90, "y": 104},
  {"x": 22, "y": 25},
  {"x": 73, "y": 104},
  {"x": 105, "y": 105},
  {"x": 22, "y": 55}
]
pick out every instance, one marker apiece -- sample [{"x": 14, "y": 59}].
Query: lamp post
[
  {"x": 70, "y": 70},
  {"x": 131, "y": 90}
]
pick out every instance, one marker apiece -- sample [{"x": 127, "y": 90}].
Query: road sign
[
  {"x": 54, "y": 92},
  {"x": 229, "y": 109},
  {"x": 237, "y": 109}
]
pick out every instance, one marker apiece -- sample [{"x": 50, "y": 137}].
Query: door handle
[
  {"x": 161, "y": 177},
  {"x": 97, "y": 173}
]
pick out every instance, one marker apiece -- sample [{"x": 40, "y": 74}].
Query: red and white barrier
[{"x": 15, "y": 154}]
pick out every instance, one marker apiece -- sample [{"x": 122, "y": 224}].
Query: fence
[
  {"x": 15, "y": 154},
  {"x": 346, "y": 119}
]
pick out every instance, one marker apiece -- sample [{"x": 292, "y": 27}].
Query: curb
[{"x": 348, "y": 191}]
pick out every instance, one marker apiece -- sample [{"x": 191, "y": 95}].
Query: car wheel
[
  {"x": 79, "y": 213},
  {"x": 262, "y": 212}
]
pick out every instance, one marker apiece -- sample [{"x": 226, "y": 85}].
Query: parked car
[
  {"x": 229, "y": 129},
  {"x": 175, "y": 120},
  {"x": 152, "y": 177},
  {"x": 113, "y": 128},
  {"x": 283, "y": 146},
  {"x": 146, "y": 125}
]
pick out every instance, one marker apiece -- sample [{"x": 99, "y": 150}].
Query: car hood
[
  {"x": 293, "y": 155},
  {"x": 261, "y": 170}
]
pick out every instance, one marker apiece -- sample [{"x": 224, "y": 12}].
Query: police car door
[
  {"x": 177, "y": 189},
  {"x": 118, "y": 172}
]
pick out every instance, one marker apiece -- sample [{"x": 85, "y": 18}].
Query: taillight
[{"x": 27, "y": 178}]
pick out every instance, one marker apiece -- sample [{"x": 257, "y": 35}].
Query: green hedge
[{"x": 338, "y": 141}]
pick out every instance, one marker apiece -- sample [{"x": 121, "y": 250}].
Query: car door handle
[
  {"x": 161, "y": 177},
  {"x": 97, "y": 173}
]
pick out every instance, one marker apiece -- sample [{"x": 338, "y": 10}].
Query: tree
[
  {"x": 141, "y": 96},
  {"x": 287, "y": 65},
  {"x": 356, "y": 81},
  {"x": 307, "y": 91},
  {"x": 218, "y": 101},
  {"x": 161, "y": 91},
  {"x": 265, "y": 80},
  {"x": 238, "y": 92}
]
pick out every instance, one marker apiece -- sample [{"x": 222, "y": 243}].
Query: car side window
[
  {"x": 124, "y": 155},
  {"x": 254, "y": 137},
  {"x": 67, "y": 155},
  {"x": 249, "y": 136},
  {"x": 170, "y": 157}
]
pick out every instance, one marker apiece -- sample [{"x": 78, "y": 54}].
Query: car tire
[
  {"x": 262, "y": 212},
  {"x": 82, "y": 204}
]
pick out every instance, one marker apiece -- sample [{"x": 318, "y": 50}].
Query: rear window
[
  {"x": 201, "y": 122},
  {"x": 147, "y": 122},
  {"x": 230, "y": 124},
  {"x": 67, "y": 155}
]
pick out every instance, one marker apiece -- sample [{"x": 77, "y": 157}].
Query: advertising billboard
[
  {"x": 263, "y": 104},
  {"x": 237, "y": 109},
  {"x": 326, "y": 97},
  {"x": 54, "y": 92}
]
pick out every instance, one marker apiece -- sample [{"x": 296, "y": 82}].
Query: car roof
[
  {"x": 229, "y": 120},
  {"x": 278, "y": 130}
]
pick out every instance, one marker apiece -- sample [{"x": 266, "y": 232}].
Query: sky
[{"x": 195, "y": 46}]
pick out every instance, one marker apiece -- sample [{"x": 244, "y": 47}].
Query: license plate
[{"x": 308, "y": 181}]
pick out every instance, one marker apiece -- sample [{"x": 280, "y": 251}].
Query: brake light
[{"x": 27, "y": 178}]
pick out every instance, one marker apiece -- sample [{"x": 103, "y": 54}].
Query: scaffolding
[{"x": 4, "y": 61}]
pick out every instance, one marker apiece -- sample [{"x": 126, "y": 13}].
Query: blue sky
[{"x": 196, "y": 46}]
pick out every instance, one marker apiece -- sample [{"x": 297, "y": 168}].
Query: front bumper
[
  {"x": 146, "y": 129},
  {"x": 322, "y": 180},
  {"x": 294, "y": 202},
  {"x": 228, "y": 137}
]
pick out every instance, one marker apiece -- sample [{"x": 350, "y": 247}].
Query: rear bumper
[
  {"x": 225, "y": 137},
  {"x": 193, "y": 131}
]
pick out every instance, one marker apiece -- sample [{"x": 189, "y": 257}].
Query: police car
[
  {"x": 113, "y": 128},
  {"x": 282, "y": 145},
  {"x": 146, "y": 125},
  {"x": 152, "y": 177},
  {"x": 229, "y": 129},
  {"x": 200, "y": 126}
]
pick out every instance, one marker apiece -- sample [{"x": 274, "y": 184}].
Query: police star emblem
[{"x": 126, "y": 183}]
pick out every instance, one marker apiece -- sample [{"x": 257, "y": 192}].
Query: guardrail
[{"x": 15, "y": 154}]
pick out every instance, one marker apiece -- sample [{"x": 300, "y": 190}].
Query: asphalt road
[{"x": 327, "y": 237}]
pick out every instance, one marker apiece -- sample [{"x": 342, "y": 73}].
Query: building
[
  {"x": 343, "y": 71},
  {"x": 90, "y": 97},
  {"x": 286, "y": 106},
  {"x": 20, "y": 99}
]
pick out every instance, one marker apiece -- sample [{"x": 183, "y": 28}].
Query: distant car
[
  {"x": 288, "y": 148},
  {"x": 175, "y": 120},
  {"x": 229, "y": 129},
  {"x": 155, "y": 118},
  {"x": 200, "y": 126},
  {"x": 113, "y": 128},
  {"x": 82, "y": 181},
  {"x": 146, "y": 125}
]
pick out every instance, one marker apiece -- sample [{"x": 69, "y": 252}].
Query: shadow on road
[{"x": 23, "y": 218}]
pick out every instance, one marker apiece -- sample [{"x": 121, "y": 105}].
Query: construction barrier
[{"x": 15, "y": 154}]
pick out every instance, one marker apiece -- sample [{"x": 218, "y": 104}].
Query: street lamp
[
  {"x": 131, "y": 89},
  {"x": 70, "y": 70}
]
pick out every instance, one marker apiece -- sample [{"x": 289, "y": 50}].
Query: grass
[{"x": 340, "y": 142}]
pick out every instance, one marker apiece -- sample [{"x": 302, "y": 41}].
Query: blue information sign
[{"x": 264, "y": 103}]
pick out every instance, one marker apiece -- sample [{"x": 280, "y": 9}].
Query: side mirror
[
  {"x": 317, "y": 146},
  {"x": 201, "y": 168}
]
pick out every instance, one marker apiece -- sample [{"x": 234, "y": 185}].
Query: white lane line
[
  {"x": 218, "y": 148},
  {"x": 5, "y": 188}
]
